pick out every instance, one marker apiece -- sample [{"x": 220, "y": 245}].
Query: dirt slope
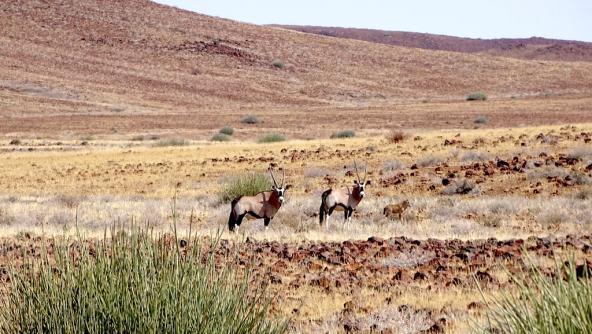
[{"x": 523, "y": 48}]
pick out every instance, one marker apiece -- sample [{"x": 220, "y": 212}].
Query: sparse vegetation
[
  {"x": 581, "y": 153},
  {"x": 171, "y": 142},
  {"x": 220, "y": 137},
  {"x": 227, "y": 130},
  {"x": 392, "y": 165},
  {"x": 145, "y": 137},
  {"x": 473, "y": 156},
  {"x": 244, "y": 185},
  {"x": 428, "y": 161},
  {"x": 133, "y": 284},
  {"x": 250, "y": 119},
  {"x": 272, "y": 138},
  {"x": 344, "y": 134},
  {"x": 278, "y": 63},
  {"x": 316, "y": 172},
  {"x": 480, "y": 120},
  {"x": 561, "y": 303},
  {"x": 396, "y": 136},
  {"x": 460, "y": 187},
  {"x": 15, "y": 142},
  {"x": 477, "y": 96}
]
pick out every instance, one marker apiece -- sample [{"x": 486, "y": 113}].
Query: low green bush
[
  {"x": 220, "y": 137},
  {"x": 272, "y": 138},
  {"x": 344, "y": 134},
  {"x": 477, "y": 96},
  {"x": 227, "y": 131}
]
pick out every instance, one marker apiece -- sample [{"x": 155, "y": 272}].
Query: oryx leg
[
  {"x": 348, "y": 215},
  {"x": 329, "y": 213},
  {"x": 266, "y": 222}
]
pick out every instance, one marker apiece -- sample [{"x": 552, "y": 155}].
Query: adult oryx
[
  {"x": 263, "y": 205},
  {"x": 346, "y": 199}
]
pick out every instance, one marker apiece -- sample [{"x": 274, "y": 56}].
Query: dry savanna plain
[{"x": 110, "y": 113}]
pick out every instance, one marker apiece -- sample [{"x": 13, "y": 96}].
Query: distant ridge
[{"x": 533, "y": 48}]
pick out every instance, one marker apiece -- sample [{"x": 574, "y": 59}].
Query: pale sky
[{"x": 562, "y": 19}]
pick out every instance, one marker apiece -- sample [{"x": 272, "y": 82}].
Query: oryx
[
  {"x": 346, "y": 199},
  {"x": 263, "y": 205}
]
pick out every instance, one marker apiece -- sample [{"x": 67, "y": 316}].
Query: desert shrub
[
  {"x": 131, "y": 283},
  {"x": 250, "y": 119},
  {"x": 460, "y": 187},
  {"x": 584, "y": 194},
  {"x": 171, "y": 142},
  {"x": 272, "y": 138},
  {"x": 547, "y": 172},
  {"x": 580, "y": 178},
  {"x": 5, "y": 217},
  {"x": 477, "y": 96},
  {"x": 278, "y": 63},
  {"x": 316, "y": 172},
  {"x": 552, "y": 217},
  {"x": 561, "y": 303},
  {"x": 227, "y": 131},
  {"x": 15, "y": 142},
  {"x": 344, "y": 134},
  {"x": 428, "y": 161},
  {"x": 145, "y": 137},
  {"x": 220, "y": 137},
  {"x": 480, "y": 120},
  {"x": 392, "y": 165},
  {"x": 581, "y": 153},
  {"x": 69, "y": 201},
  {"x": 396, "y": 136},
  {"x": 473, "y": 156},
  {"x": 244, "y": 185}
]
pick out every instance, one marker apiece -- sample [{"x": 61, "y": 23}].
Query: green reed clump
[
  {"x": 558, "y": 304},
  {"x": 132, "y": 284},
  {"x": 244, "y": 185}
]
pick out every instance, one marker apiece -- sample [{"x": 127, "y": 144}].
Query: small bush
[
  {"x": 560, "y": 304},
  {"x": 547, "y": 172},
  {"x": 171, "y": 142},
  {"x": 220, "y": 137},
  {"x": 480, "y": 120},
  {"x": 244, "y": 185},
  {"x": 460, "y": 187},
  {"x": 133, "y": 284},
  {"x": 473, "y": 156},
  {"x": 584, "y": 194},
  {"x": 580, "y": 153},
  {"x": 277, "y": 63},
  {"x": 15, "y": 142},
  {"x": 250, "y": 119},
  {"x": 316, "y": 172},
  {"x": 392, "y": 165},
  {"x": 396, "y": 136},
  {"x": 272, "y": 138},
  {"x": 227, "y": 131},
  {"x": 145, "y": 137},
  {"x": 343, "y": 134},
  {"x": 428, "y": 161},
  {"x": 6, "y": 218},
  {"x": 477, "y": 96}
]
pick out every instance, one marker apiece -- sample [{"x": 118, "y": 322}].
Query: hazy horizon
[{"x": 463, "y": 18}]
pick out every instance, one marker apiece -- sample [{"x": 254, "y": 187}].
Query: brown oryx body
[
  {"x": 263, "y": 205},
  {"x": 344, "y": 199}
]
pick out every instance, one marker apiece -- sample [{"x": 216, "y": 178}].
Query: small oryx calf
[
  {"x": 263, "y": 205},
  {"x": 395, "y": 209},
  {"x": 346, "y": 199}
]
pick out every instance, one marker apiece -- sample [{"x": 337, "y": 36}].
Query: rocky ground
[{"x": 357, "y": 286}]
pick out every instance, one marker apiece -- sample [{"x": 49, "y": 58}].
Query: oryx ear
[
  {"x": 368, "y": 182},
  {"x": 288, "y": 187},
  {"x": 355, "y": 181}
]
